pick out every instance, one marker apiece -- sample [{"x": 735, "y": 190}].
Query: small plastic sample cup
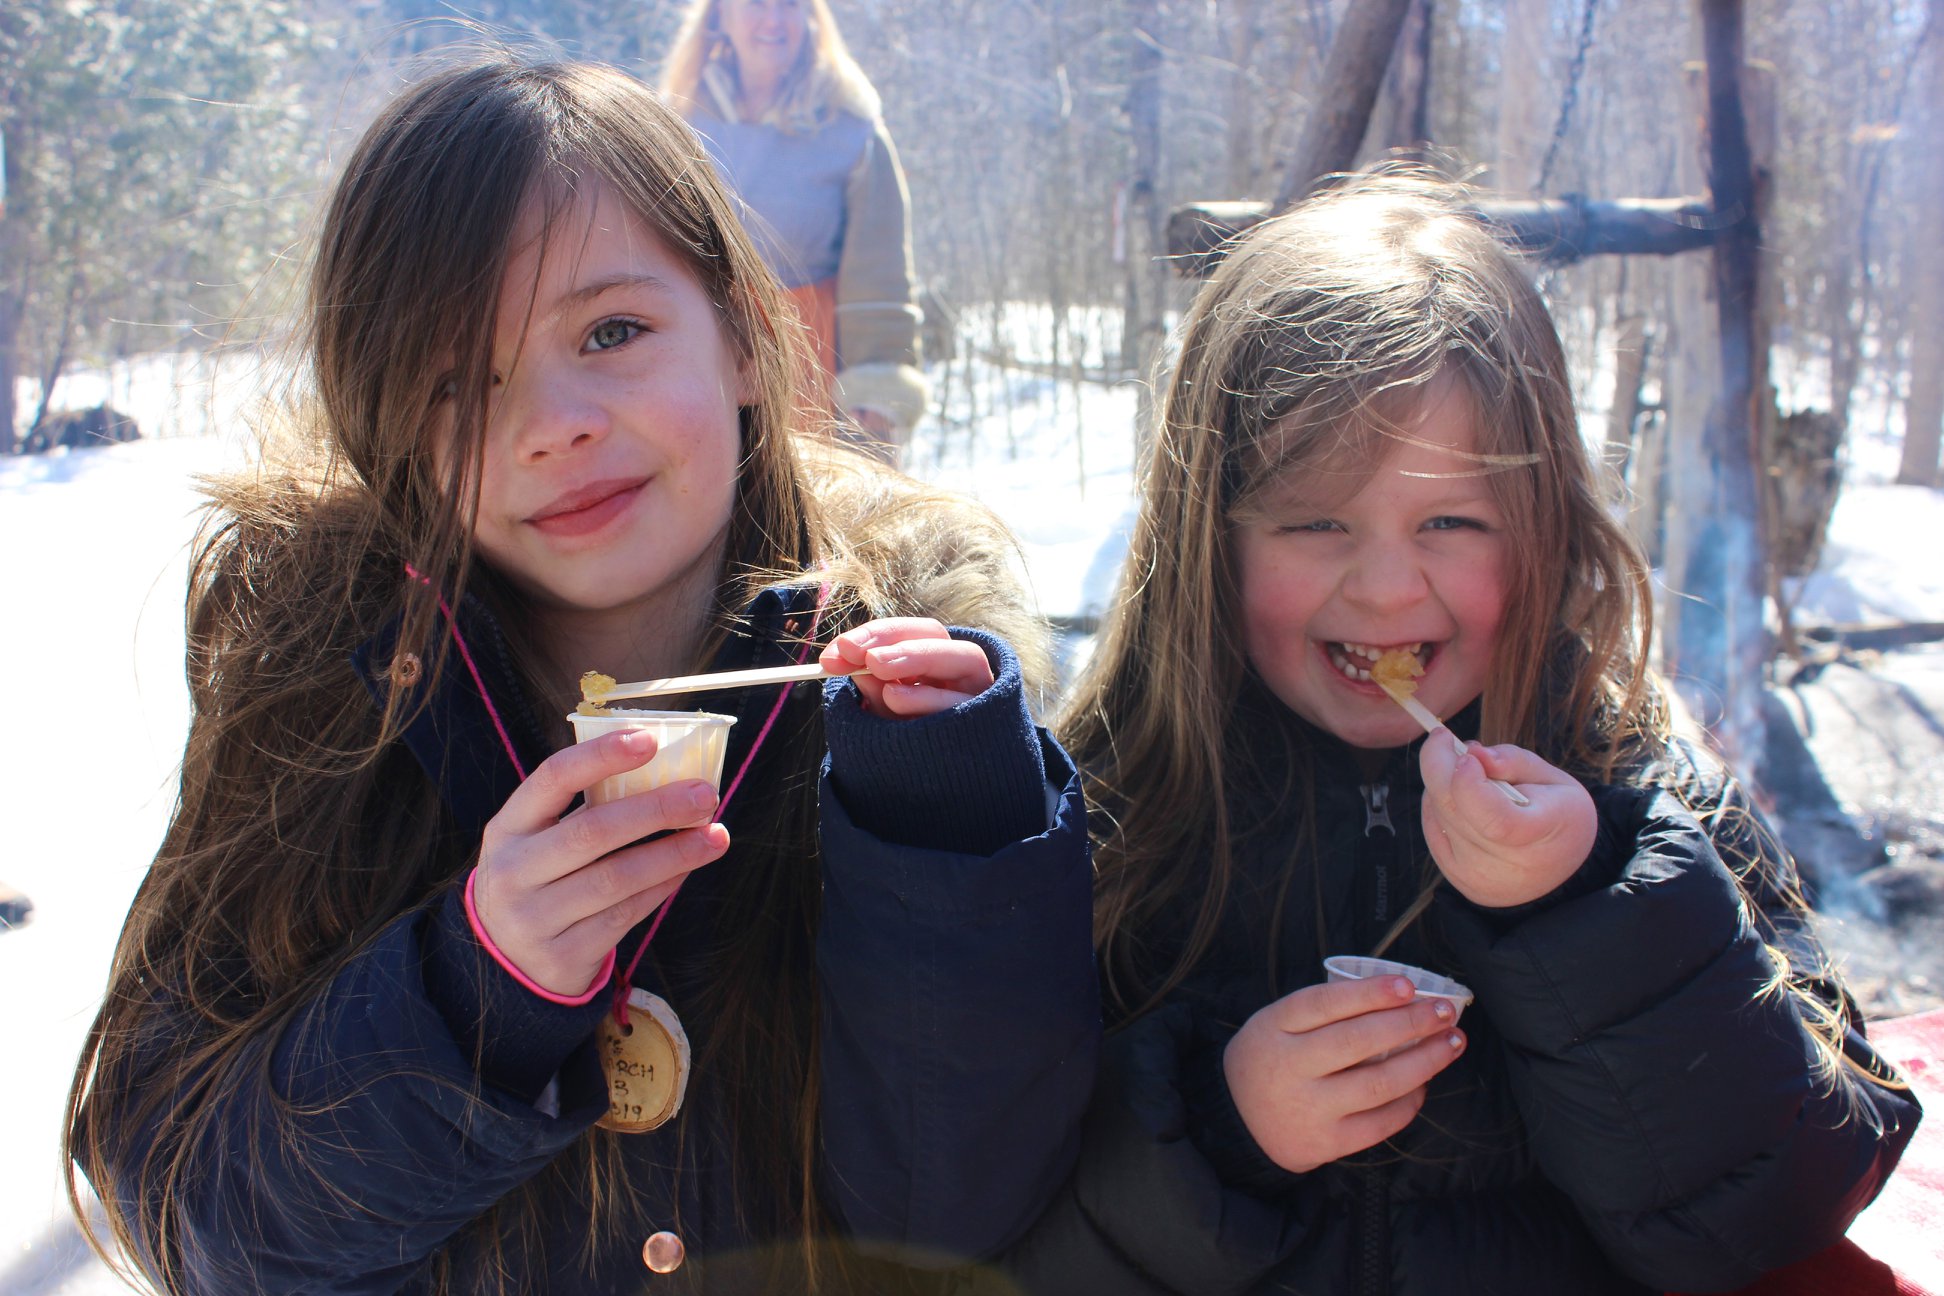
[
  {"x": 688, "y": 745},
  {"x": 1357, "y": 967}
]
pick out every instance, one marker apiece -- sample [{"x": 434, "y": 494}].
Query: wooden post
[
  {"x": 1690, "y": 376},
  {"x": 1722, "y": 644},
  {"x": 1924, "y": 407},
  {"x": 1334, "y": 130}
]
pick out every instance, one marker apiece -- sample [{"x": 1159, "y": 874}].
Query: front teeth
[{"x": 1341, "y": 654}]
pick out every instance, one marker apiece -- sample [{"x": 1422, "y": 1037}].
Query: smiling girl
[
  {"x": 348, "y": 1043},
  {"x": 1369, "y": 445}
]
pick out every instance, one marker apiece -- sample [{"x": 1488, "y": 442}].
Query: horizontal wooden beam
[
  {"x": 1893, "y": 634},
  {"x": 1557, "y": 231}
]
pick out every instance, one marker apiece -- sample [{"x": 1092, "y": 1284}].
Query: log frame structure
[{"x": 1555, "y": 231}]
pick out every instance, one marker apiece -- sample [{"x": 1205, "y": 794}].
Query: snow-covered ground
[
  {"x": 95, "y": 714},
  {"x": 96, "y": 545}
]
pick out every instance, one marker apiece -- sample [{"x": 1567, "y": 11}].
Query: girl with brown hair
[
  {"x": 349, "y": 1039},
  {"x": 1369, "y": 448}
]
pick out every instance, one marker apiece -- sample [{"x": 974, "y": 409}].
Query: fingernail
[
  {"x": 1456, "y": 1041},
  {"x": 704, "y": 842},
  {"x": 701, "y": 797},
  {"x": 863, "y": 638},
  {"x": 1402, "y": 987},
  {"x": 889, "y": 658},
  {"x": 1443, "y": 1009},
  {"x": 637, "y": 739}
]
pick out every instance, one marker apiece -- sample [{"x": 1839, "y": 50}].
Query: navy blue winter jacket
[
  {"x": 1639, "y": 1107},
  {"x": 959, "y": 1018}
]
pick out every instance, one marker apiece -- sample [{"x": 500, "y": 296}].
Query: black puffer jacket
[{"x": 1635, "y": 1110}]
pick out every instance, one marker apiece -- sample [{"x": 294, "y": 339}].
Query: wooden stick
[
  {"x": 1418, "y": 712},
  {"x": 721, "y": 680}
]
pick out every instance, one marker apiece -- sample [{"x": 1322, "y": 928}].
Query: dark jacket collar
[{"x": 1265, "y": 735}]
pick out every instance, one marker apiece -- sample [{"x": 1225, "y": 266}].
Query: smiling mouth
[
  {"x": 1354, "y": 660},
  {"x": 587, "y": 509}
]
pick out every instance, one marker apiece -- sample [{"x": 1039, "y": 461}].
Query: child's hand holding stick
[
  {"x": 1494, "y": 853},
  {"x": 908, "y": 666},
  {"x": 1498, "y": 854}
]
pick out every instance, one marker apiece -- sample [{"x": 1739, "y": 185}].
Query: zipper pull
[{"x": 1376, "y": 808}]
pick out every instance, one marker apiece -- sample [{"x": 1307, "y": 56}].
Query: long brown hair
[
  {"x": 303, "y": 828},
  {"x": 1315, "y": 341}
]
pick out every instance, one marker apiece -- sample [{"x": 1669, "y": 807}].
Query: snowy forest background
[{"x": 162, "y": 159}]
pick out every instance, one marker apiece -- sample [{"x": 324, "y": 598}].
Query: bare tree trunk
[
  {"x": 9, "y": 367},
  {"x": 1142, "y": 329},
  {"x": 13, "y": 279},
  {"x": 58, "y": 362},
  {"x": 1522, "y": 61},
  {"x": 1646, "y": 503},
  {"x": 1843, "y": 321},
  {"x": 1359, "y": 54},
  {"x": 1241, "y": 37},
  {"x": 1629, "y": 359},
  {"x": 1924, "y": 408},
  {"x": 1404, "y": 123}
]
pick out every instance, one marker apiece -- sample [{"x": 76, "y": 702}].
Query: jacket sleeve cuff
[
  {"x": 1217, "y": 1127},
  {"x": 1619, "y": 810},
  {"x": 518, "y": 1041},
  {"x": 971, "y": 780}
]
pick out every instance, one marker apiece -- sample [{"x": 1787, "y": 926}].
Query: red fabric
[
  {"x": 1842, "y": 1270},
  {"x": 1896, "y": 1247},
  {"x": 816, "y": 306}
]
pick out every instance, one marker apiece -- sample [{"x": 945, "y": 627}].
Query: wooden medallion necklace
[
  {"x": 643, "y": 1049},
  {"x": 645, "y": 1055}
]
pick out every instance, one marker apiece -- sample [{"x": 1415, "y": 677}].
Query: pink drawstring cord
[
  {"x": 506, "y": 741},
  {"x": 512, "y": 969},
  {"x": 776, "y": 709},
  {"x": 479, "y": 683}
]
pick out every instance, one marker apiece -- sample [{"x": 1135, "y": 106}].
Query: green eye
[{"x": 609, "y": 334}]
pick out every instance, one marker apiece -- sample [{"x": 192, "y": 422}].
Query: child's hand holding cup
[
  {"x": 555, "y": 892},
  {"x": 1339, "y": 1067}
]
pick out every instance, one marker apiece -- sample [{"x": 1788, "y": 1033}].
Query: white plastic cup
[
  {"x": 688, "y": 745},
  {"x": 1358, "y": 967}
]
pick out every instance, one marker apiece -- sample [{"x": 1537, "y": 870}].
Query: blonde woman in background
[{"x": 795, "y": 127}]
